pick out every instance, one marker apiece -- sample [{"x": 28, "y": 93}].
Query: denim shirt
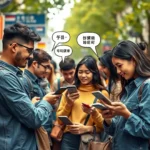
[
  {"x": 132, "y": 133},
  {"x": 18, "y": 116},
  {"x": 37, "y": 91}
]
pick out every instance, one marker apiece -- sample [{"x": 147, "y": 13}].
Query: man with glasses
[
  {"x": 37, "y": 68},
  {"x": 19, "y": 118}
]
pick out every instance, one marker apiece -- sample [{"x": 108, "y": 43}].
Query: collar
[
  {"x": 138, "y": 81},
  {"x": 31, "y": 76},
  {"x": 12, "y": 68}
]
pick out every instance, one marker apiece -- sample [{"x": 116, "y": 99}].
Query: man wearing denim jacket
[{"x": 19, "y": 118}]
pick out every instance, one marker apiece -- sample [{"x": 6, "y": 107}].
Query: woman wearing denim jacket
[{"x": 128, "y": 121}]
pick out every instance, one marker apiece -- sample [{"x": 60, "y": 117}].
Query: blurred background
[{"x": 112, "y": 20}]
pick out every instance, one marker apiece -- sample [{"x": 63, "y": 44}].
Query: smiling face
[
  {"x": 125, "y": 68},
  {"x": 85, "y": 75},
  {"x": 21, "y": 53}
]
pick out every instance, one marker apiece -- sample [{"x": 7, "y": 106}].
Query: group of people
[{"x": 28, "y": 101}]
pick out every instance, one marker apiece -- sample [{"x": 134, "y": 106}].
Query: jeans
[{"x": 70, "y": 142}]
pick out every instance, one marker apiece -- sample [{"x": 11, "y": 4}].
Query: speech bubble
[
  {"x": 89, "y": 40},
  {"x": 63, "y": 51},
  {"x": 60, "y": 37}
]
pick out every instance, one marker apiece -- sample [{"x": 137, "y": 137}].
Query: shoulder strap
[
  {"x": 88, "y": 116},
  {"x": 29, "y": 84},
  {"x": 141, "y": 89}
]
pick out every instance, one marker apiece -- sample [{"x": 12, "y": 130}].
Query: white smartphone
[
  {"x": 60, "y": 90},
  {"x": 65, "y": 120},
  {"x": 72, "y": 89},
  {"x": 100, "y": 96},
  {"x": 99, "y": 106}
]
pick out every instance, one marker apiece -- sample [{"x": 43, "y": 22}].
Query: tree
[
  {"x": 113, "y": 20},
  {"x": 96, "y": 16},
  {"x": 28, "y": 6}
]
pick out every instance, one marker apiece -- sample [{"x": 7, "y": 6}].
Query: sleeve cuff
[
  {"x": 132, "y": 120},
  {"x": 46, "y": 105}
]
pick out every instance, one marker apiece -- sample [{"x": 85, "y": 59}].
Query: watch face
[{"x": 4, "y": 3}]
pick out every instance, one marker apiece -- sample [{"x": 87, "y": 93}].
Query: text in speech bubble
[
  {"x": 60, "y": 37},
  {"x": 89, "y": 40},
  {"x": 63, "y": 51}
]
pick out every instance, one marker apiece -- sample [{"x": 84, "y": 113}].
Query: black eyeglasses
[
  {"x": 30, "y": 50},
  {"x": 46, "y": 67}
]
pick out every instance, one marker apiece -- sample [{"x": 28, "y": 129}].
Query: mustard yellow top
[{"x": 75, "y": 113}]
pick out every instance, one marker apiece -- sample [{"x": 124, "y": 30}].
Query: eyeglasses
[
  {"x": 46, "y": 67},
  {"x": 30, "y": 50}
]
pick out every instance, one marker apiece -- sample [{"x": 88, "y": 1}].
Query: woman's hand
[
  {"x": 79, "y": 128},
  {"x": 71, "y": 97},
  {"x": 88, "y": 110},
  {"x": 116, "y": 109}
]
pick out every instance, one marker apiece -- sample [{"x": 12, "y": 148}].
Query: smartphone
[
  {"x": 99, "y": 106},
  {"x": 65, "y": 120},
  {"x": 86, "y": 105},
  {"x": 100, "y": 96},
  {"x": 72, "y": 89},
  {"x": 60, "y": 90}
]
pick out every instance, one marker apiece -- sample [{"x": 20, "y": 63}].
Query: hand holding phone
[
  {"x": 86, "y": 105},
  {"x": 65, "y": 120},
  {"x": 100, "y": 96}
]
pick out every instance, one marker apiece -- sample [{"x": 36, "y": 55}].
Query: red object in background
[{"x": 1, "y": 26}]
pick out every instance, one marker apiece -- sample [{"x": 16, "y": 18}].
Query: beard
[{"x": 20, "y": 61}]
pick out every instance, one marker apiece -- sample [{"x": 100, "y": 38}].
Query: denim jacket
[
  {"x": 18, "y": 116},
  {"x": 132, "y": 133},
  {"x": 37, "y": 91}
]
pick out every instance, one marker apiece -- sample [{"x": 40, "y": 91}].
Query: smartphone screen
[
  {"x": 99, "y": 106},
  {"x": 72, "y": 89},
  {"x": 65, "y": 120},
  {"x": 60, "y": 90},
  {"x": 100, "y": 96}
]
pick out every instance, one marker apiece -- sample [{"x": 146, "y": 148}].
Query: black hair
[
  {"x": 54, "y": 65},
  {"x": 142, "y": 45},
  {"x": 106, "y": 61},
  {"x": 20, "y": 32},
  {"x": 128, "y": 50},
  {"x": 67, "y": 64},
  {"x": 40, "y": 56},
  {"x": 90, "y": 63}
]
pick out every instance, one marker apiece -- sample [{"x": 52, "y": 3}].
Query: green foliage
[
  {"x": 30, "y": 6},
  {"x": 101, "y": 17}
]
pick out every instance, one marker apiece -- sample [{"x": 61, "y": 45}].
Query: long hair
[
  {"x": 90, "y": 63},
  {"x": 128, "y": 50},
  {"x": 106, "y": 61}
]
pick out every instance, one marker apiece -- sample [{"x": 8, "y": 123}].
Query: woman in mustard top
[{"x": 87, "y": 80}]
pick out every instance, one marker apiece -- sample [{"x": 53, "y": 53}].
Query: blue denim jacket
[
  {"x": 18, "y": 116},
  {"x": 38, "y": 92},
  {"x": 133, "y": 133}
]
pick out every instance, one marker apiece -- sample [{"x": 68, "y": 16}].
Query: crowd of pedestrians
[{"x": 29, "y": 102}]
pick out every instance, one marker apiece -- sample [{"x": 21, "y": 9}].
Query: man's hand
[
  {"x": 52, "y": 99},
  {"x": 35, "y": 99}
]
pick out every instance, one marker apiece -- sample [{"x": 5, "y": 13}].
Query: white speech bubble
[
  {"x": 89, "y": 40},
  {"x": 60, "y": 37},
  {"x": 63, "y": 51}
]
